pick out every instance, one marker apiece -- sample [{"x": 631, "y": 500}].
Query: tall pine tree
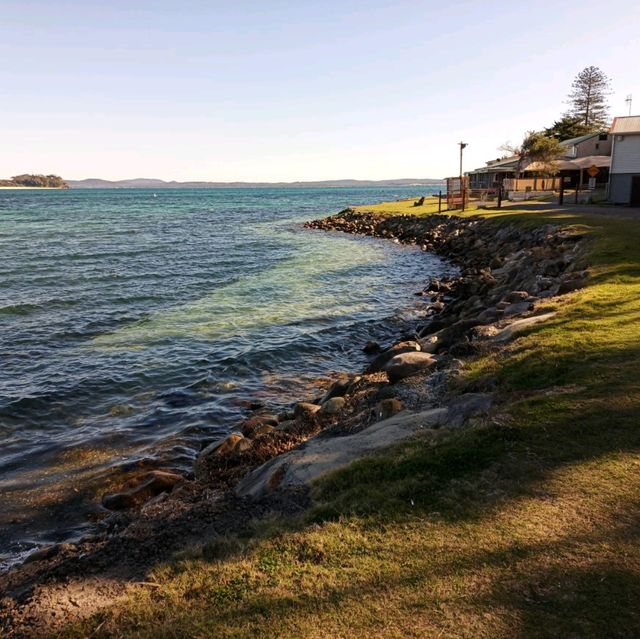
[{"x": 588, "y": 99}]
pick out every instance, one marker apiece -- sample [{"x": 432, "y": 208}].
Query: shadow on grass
[
  {"x": 555, "y": 587},
  {"x": 461, "y": 477}
]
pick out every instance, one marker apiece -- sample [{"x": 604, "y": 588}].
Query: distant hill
[{"x": 150, "y": 183}]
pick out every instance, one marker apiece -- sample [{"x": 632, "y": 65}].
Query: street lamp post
[{"x": 462, "y": 188}]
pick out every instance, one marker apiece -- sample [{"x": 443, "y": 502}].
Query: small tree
[
  {"x": 537, "y": 147},
  {"x": 588, "y": 99}
]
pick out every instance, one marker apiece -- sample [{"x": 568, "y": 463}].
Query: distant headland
[
  {"x": 38, "y": 181},
  {"x": 150, "y": 183}
]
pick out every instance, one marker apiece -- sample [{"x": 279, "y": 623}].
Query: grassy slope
[{"x": 523, "y": 527}]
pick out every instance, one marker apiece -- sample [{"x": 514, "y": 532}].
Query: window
[{"x": 602, "y": 137}]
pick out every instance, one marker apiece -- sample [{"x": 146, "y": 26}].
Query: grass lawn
[
  {"x": 406, "y": 207},
  {"x": 528, "y": 526}
]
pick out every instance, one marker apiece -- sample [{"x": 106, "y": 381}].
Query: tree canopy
[
  {"x": 537, "y": 147},
  {"x": 27, "y": 179},
  {"x": 588, "y": 99},
  {"x": 566, "y": 128}
]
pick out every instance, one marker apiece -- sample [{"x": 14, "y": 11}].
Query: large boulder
[
  {"x": 381, "y": 360},
  {"x": 407, "y": 364}
]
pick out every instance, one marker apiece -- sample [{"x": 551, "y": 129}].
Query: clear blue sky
[{"x": 293, "y": 90}]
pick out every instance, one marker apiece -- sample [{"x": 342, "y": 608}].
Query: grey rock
[
  {"x": 322, "y": 455},
  {"x": 380, "y": 362},
  {"x": 508, "y": 332},
  {"x": 407, "y": 364},
  {"x": 516, "y": 309}
]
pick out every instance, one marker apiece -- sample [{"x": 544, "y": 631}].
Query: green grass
[
  {"x": 526, "y": 525},
  {"x": 406, "y": 207}
]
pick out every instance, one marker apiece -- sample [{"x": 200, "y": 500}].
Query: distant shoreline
[{"x": 33, "y": 188}]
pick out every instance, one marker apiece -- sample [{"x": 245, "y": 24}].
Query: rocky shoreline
[{"x": 507, "y": 275}]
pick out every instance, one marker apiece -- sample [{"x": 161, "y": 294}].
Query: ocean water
[{"x": 134, "y": 325}]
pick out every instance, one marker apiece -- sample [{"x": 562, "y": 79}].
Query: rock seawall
[
  {"x": 506, "y": 274},
  {"x": 506, "y": 269}
]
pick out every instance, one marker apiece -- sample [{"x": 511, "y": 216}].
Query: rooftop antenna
[{"x": 629, "y": 100}]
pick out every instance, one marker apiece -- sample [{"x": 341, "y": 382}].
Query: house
[
  {"x": 624, "y": 179},
  {"x": 490, "y": 177},
  {"x": 579, "y": 154},
  {"x": 586, "y": 145}
]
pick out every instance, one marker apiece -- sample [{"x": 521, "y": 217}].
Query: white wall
[{"x": 626, "y": 154}]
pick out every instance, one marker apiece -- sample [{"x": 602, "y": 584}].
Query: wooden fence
[{"x": 532, "y": 184}]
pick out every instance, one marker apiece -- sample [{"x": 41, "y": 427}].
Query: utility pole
[
  {"x": 462, "y": 189},
  {"x": 629, "y": 101}
]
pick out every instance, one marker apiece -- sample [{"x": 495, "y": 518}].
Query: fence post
[
  {"x": 439, "y": 201},
  {"x": 462, "y": 192},
  {"x": 561, "y": 196},
  {"x": 500, "y": 196}
]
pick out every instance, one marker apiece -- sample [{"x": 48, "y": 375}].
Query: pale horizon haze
[{"x": 284, "y": 91}]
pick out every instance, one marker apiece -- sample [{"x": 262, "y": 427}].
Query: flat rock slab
[
  {"x": 508, "y": 332},
  {"x": 320, "y": 455}
]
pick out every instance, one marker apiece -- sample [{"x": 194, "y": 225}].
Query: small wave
[{"x": 19, "y": 309}]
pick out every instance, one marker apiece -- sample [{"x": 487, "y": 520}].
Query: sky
[{"x": 280, "y": 90}]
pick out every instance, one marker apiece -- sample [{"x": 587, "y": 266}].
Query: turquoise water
[{"x": 135, "y": 324}]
